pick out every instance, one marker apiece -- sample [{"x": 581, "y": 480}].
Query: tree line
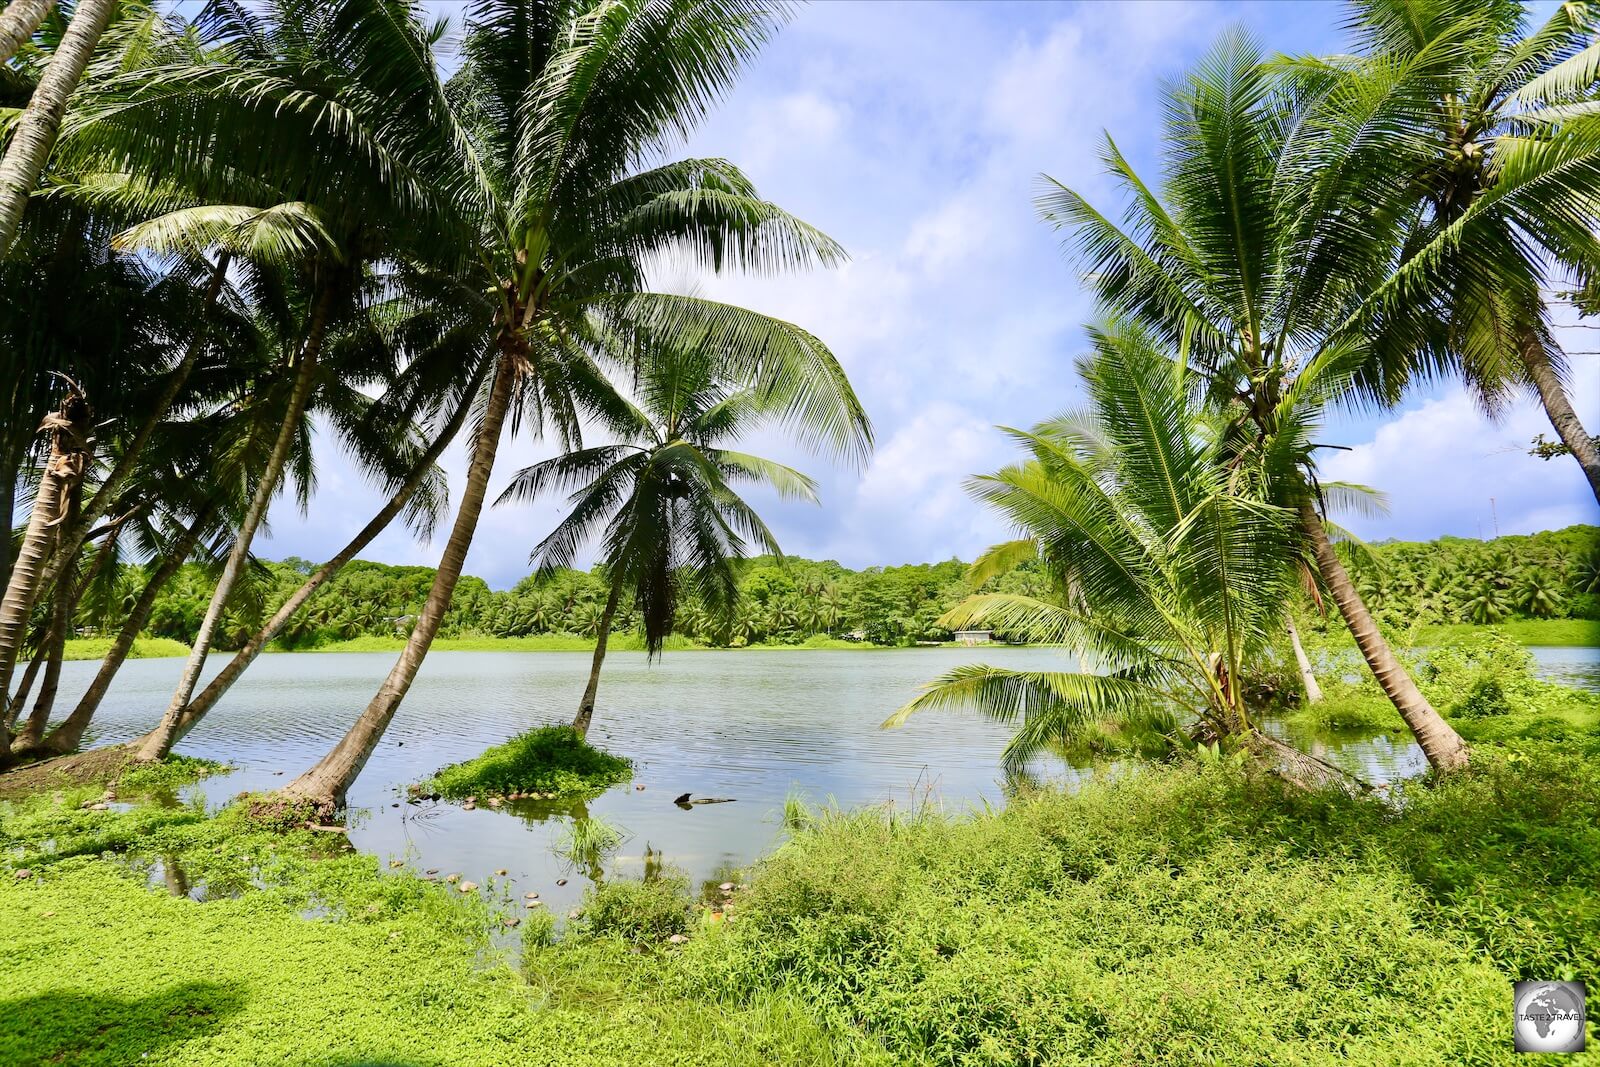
[{"x": 1553, "y": 574}]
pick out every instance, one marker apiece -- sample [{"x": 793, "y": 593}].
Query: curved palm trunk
[
  {"x": 69, "y": 429},
  {"x": 329, "y": 780},
  {"x": 159, "y": 742},
  {"x": 1308, "y": 677},
  {"x": 1553, "y": 395},
  {"x": 35, "y": 133},
  {"x": 247, "y": 655},
  {"x": 80, "y": 530},
  {"x": 68, "y": 735},
  {"x": 586, "y": 705},
  {"x": 18, "y": 22},
  {"x": 1440, "y": 742}
]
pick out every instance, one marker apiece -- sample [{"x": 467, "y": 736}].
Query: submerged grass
[{"x": 551, "y": 761}]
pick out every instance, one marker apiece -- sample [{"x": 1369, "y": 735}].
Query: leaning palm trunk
[
  {"x": 79, "y": 530},
  {"x": 55, "y": 647},
  {"x": 70, "y": 590},
  {"x": 69, "y": 733},
  {"x": 586, "y": 705},
  {"x": 329, "y": 780},
  {"x": 247, "y": 655},
  {"x": 1440, "y": 742},
  {"x": 1308, "y": 677},
  {"x": 35, "y": 132},
  {"x": 1553, "y": 395},
  {"x": 19, "y": 700},
  {"x": 69, "y": 446},
  {"x": 18, "y": 22},
  {"x": 159, "y": 742}
]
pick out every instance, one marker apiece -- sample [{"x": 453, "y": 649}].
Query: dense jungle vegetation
[{"x": 1554, "y": 574}]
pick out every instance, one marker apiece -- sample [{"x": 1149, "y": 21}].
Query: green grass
[
  {"x": 1189, "y": 913},
  {"x": 551, "y": 760},
  {"x": 143, "y": 648},
  {"x": 1571, "y": 633},
  {"x": 1186, "y": 914},
  {"x": 101, "y": 969}
]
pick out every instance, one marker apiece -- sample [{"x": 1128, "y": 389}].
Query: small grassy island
[{"x": 547, "y": 763}]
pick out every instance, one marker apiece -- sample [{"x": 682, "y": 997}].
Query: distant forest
[{"x": 1554, "y": 574}]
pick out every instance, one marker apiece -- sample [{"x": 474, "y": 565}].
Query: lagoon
[{"x": 755, "y": 726}]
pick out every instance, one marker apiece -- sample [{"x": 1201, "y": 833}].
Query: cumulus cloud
[{"x": 914, "y": 135}]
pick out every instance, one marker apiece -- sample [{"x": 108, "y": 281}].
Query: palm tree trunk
[
  {"x": 55, "y": 642},
  {"x": 330, "y": 779},
  {"x": 20, "y": 699},
  {"x": 247, "y": 655},
  {"x": 69, "y": 733},
  {"x": 1556, "y": 405},
  {"x": 159, "y": 742},
  {"x": 17, "y": 23},
  {"x": 1308, "y": 678},
  {"x": 71, "y": 589},
  {"x": 586, "y": 705},
  {"x": 112, "y": 485},
  {"x": 35, "y": 133},
  {"x": 1440, "y": 742},
  {"x": 69, "y": 430}
]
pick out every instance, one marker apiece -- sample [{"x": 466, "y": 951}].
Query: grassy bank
[
  {"x": 549, "y": 762},
  {"x": 143, "y": 648},
  {"x": 1189, "y": 913},
  {"x": 1570, "y": 633}
]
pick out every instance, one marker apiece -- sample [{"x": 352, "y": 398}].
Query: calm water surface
[{"x": 753, "y": 726}]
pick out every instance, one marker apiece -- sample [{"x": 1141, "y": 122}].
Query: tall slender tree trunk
[
  {"x": 79, "y": 530},
  {"x": 68, "y": 735},
  {"x": 35, "y": 133},
  {"x": 55, "y": 642},
  {"x": 247, "y": 655},
  {"x": 1440, "y": 742},
  {"x": 1553, "y": 394},
  {"x": 71, "y": 588},
  {"x": 1308, "y": 677},
  {"x": 330, "y": 779},
  {"x": 586, "y": 706},
  {"x": 69, "y": 444},
  {"x": 19, "y": 700},
  {"x": 159, "y": 742},
  {"x": 18, "y": 22}
]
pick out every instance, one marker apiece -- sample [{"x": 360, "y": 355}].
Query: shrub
[
  {"x": 551, "y": 759},
  {"x": 649, "y": 910}
]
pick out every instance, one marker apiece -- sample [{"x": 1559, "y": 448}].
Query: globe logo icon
[{"x": 1550, "y": 1017}]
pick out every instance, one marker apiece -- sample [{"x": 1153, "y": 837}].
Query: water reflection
[{"x": 757, "y": 727}]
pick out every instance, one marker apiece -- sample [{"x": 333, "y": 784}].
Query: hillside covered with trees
[{"x": 1549, "y": 575}]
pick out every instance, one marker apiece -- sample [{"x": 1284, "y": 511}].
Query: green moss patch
[{"x": 552, "y": 761}]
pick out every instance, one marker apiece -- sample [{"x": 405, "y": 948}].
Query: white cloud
[{"x": 1448, "y": 469}]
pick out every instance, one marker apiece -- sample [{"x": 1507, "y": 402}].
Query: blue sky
[{"x": 914, "y": 135}]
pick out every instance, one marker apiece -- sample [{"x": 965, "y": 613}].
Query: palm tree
[
  {"x": 18, "y": 22},
  {"x": 1171, "y": 568},
  {"x": 559, "y": 104},
  {"x": 35, "y": 133},
  {"x": 1260, "y": 272},
  {"x": 662, "y": 499},
  {"x": 1487, "y": 143}
]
